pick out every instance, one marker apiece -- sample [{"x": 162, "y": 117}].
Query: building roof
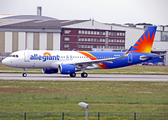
[
  {"x": 39, "y": 23},
  {"x": 34, "y": 17}
]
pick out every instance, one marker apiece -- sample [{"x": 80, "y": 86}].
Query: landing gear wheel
[
  {"x": 84, "y": 75},
  {"x": 73, "y": 75},
  {"x": 24, "y": 75}
]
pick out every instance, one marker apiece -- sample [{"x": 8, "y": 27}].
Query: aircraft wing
[
  {"x": 100, "y": 60},
  {"x": 96, "y": 61}
]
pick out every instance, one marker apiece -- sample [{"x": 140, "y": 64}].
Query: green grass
[
  {"x": 135, "y": 69},
  {"x": 56, "y": 96}
]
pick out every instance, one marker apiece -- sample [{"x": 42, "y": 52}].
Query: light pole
[{"x": 82, "y": 104}]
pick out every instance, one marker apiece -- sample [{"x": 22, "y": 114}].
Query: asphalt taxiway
[{"x": 91, "y": 77}]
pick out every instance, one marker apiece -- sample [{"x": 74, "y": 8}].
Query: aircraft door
[
  {"x": 71, "y": 57},
  {"x": 129, "y": 58},
  {"x": 67, "y": 57},
  {"x": 26, "y": 57}
]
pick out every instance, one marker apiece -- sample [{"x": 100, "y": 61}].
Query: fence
[{"x": 81, "y": 116}]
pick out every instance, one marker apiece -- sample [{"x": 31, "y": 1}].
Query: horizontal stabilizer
[{"x": 143, "y": 57}]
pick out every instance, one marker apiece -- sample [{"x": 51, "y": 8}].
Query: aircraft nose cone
[{"x": 4, "y": 62}]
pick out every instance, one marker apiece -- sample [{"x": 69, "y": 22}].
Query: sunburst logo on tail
[{"x": 145, "y": 42}]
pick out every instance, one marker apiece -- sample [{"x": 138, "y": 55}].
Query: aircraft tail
[{"x": 145, "y": 42}]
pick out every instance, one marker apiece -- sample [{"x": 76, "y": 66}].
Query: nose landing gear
[{"x": 25, "y": 74}]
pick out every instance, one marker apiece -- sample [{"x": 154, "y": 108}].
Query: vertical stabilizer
[{"x": 145, "y": 42}]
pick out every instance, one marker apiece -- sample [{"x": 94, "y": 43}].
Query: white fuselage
[{"x": 36, "y": 59}]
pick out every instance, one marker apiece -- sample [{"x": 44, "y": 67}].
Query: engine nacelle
[
  {"x": 66, "y": 69},
  {"x": 49, "y": 71}
]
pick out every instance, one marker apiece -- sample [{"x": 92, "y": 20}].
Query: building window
[
  {"x": 67, "y": 31},
  {"x": 92, "y": 32},
  {"x": 103, "y": 33},
  {"x": 85, "y": 39},
  {"x": 66, "y": 45},
  {"x": 164, "y": 36},
  {"x": 94, "y": 39},
  {"x": 111, "y": 40},
  {"x": 88, "y": 39},
  {"x": 85, "y": 32},
  {"x": 88, "y": 32},
  {"x": 103, "y": 40},
  {"x": 118, "y": 33},
  {"x": 79, "y": 32},
  {"x": 79, "y": 39},
  {"x": 66, "y": 39},
  {"x": 98, "y": 40},
  {"x": 91, "y": 39},
  {"x": 97, "y": 32},
  {"x": 109, "y": 33},
  {"x": 82, "y": 39}
]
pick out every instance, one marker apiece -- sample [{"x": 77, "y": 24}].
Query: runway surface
[{"x": 91, "y": 77}]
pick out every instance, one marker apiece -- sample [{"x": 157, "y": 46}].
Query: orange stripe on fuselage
[{"x": 87, "y": 54}]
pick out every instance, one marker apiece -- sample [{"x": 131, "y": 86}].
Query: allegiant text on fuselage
[{"x": 44, "y": 58}]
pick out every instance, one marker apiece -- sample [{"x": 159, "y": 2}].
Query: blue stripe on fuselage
[{"x": 131, "y": 59}]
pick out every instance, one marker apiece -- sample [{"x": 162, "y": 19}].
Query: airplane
[{"x": 69, "y": 62}]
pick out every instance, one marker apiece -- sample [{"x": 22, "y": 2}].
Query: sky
[{"x": 104, "y": 11}]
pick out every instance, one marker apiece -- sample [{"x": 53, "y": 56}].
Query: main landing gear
[
  {"x": 84, "y": 75},
  {"x": 73, "y": 75},
  {"x": 25, "y": 74}
]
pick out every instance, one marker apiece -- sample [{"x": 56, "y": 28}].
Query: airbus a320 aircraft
[{"x": 69, "y": 62}]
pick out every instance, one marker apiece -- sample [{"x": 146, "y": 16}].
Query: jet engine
[{"x": 66, "y": 69}]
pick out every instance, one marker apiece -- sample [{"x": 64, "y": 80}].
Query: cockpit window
[{"x": 13, "y": 56}]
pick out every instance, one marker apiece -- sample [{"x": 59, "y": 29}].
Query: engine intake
[{"x": 66, "y": 69}]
